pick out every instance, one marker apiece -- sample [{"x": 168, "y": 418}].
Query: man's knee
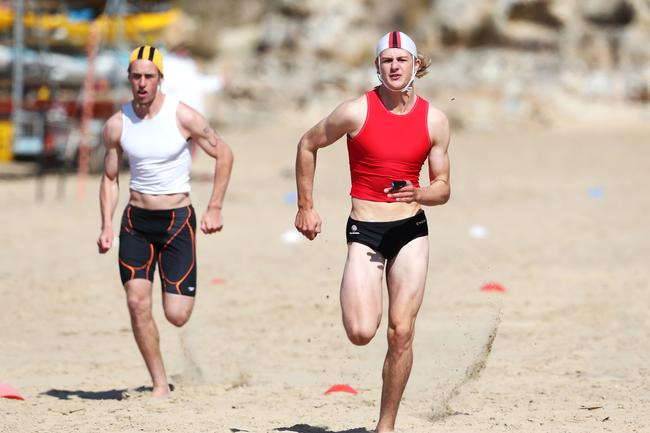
[
  {"x": 139, "y": 306},
  {"x": 178, "y": 308},
  {"x": 177, "y": 317},
  {"x": 360, "y": 334},
  {"x": 400, "y": 336}
]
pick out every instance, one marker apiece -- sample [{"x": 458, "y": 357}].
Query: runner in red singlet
[{"x": 391, "y": 132}]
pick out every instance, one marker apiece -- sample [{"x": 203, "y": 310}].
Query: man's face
[
  {"x": 144, "y": 78},
  {"x": 395, "y": 66}
]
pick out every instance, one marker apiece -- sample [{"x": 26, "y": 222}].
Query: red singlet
[{"x": 388, "y": 147}]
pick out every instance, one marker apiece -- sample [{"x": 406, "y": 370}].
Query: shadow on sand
[
  {"x": 113, "y": 394},
  {"x": 305, "y": 428},
  {"x": 63, "y": 394}
]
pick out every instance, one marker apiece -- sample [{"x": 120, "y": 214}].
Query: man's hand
[
  {"x": 407, "y": 193},
  {"x": 105, "y": 241},
  {"x": 308, "y": 223},
  {"x": 211, "y": 221}
]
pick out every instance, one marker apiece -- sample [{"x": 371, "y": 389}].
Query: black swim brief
[
  {"x": 166, "y": 237},
  {"x": 387, "y": 237}
]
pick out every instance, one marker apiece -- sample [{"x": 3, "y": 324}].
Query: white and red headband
[{"x": 396, "y": 40}]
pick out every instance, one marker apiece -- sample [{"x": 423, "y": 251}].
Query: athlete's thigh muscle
[
  {"x": 178, "y": 305},
  {"x": 406, "y": 279},
  {"x": 177, "y": 253},
  {"x": 137, "y": 255},
  {"x": 361, "y": 287}
]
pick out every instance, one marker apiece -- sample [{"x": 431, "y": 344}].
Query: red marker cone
[
  {"x": 341, "y": 388},
  {"x": 7, "y": 391},
  {"x": 492, "y": 287}
]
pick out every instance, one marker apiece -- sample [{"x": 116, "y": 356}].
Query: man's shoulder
[
  {"x": 185, "y": 113},
  {"x": 190, "y": 121},
  {"x": 349, "y": 114},
  {"x": 114, "y": 121},
  {"x": 113, "y": 126},
  {"x": 438, "y": 125},
  {"x": 436, "y": 115},
  {"x": 353, "y": 107},
  {"x": 359, "y": 102}
]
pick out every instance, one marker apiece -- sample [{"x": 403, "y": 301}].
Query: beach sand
[{"x": 562, "y": 211}]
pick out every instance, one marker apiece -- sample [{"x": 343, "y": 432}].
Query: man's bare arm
[
  {"x": 196, "y": 126},
  {"x": 439, "y": 188},
  {"x": 109, "y": 184},
  {"x": 345, "y": 119}
]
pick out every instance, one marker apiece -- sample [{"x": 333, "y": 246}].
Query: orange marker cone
[
  {"x": 7, "y": 391},
  {"x": 492, "y": 287},
  {"x": 341, "y": 388}
]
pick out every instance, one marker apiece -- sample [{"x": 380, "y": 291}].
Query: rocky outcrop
[
  {"x": 513, "y": 52},
  {"x": 617, "y": 13}
]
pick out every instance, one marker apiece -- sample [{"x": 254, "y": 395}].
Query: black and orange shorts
[{"x": 163, "y": 237}]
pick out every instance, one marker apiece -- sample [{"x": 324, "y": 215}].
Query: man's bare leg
[
  {"x": 138, "y": 295},
  {"x": 361, "y": 297},
  {"x": 178, "y": 308},
  {"x": 406, "y": 278}
]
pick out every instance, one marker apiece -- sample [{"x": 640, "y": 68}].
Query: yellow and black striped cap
[{"x": 147, "y": 52}]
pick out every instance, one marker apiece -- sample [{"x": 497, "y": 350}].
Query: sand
[{"x": 564, "y": 349}]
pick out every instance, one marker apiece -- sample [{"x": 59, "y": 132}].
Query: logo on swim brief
[
  {"x": 191, "y": 289},
  {"x": 353, "y": 230},
  {"x": 420, "y": 222}
]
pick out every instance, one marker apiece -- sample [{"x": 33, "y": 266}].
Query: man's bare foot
[
  {"x": 161, "y": 391},
  {"x": 382, "y": 429}
]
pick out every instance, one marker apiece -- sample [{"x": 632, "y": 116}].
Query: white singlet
[{"x": 159, "y": 156}]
